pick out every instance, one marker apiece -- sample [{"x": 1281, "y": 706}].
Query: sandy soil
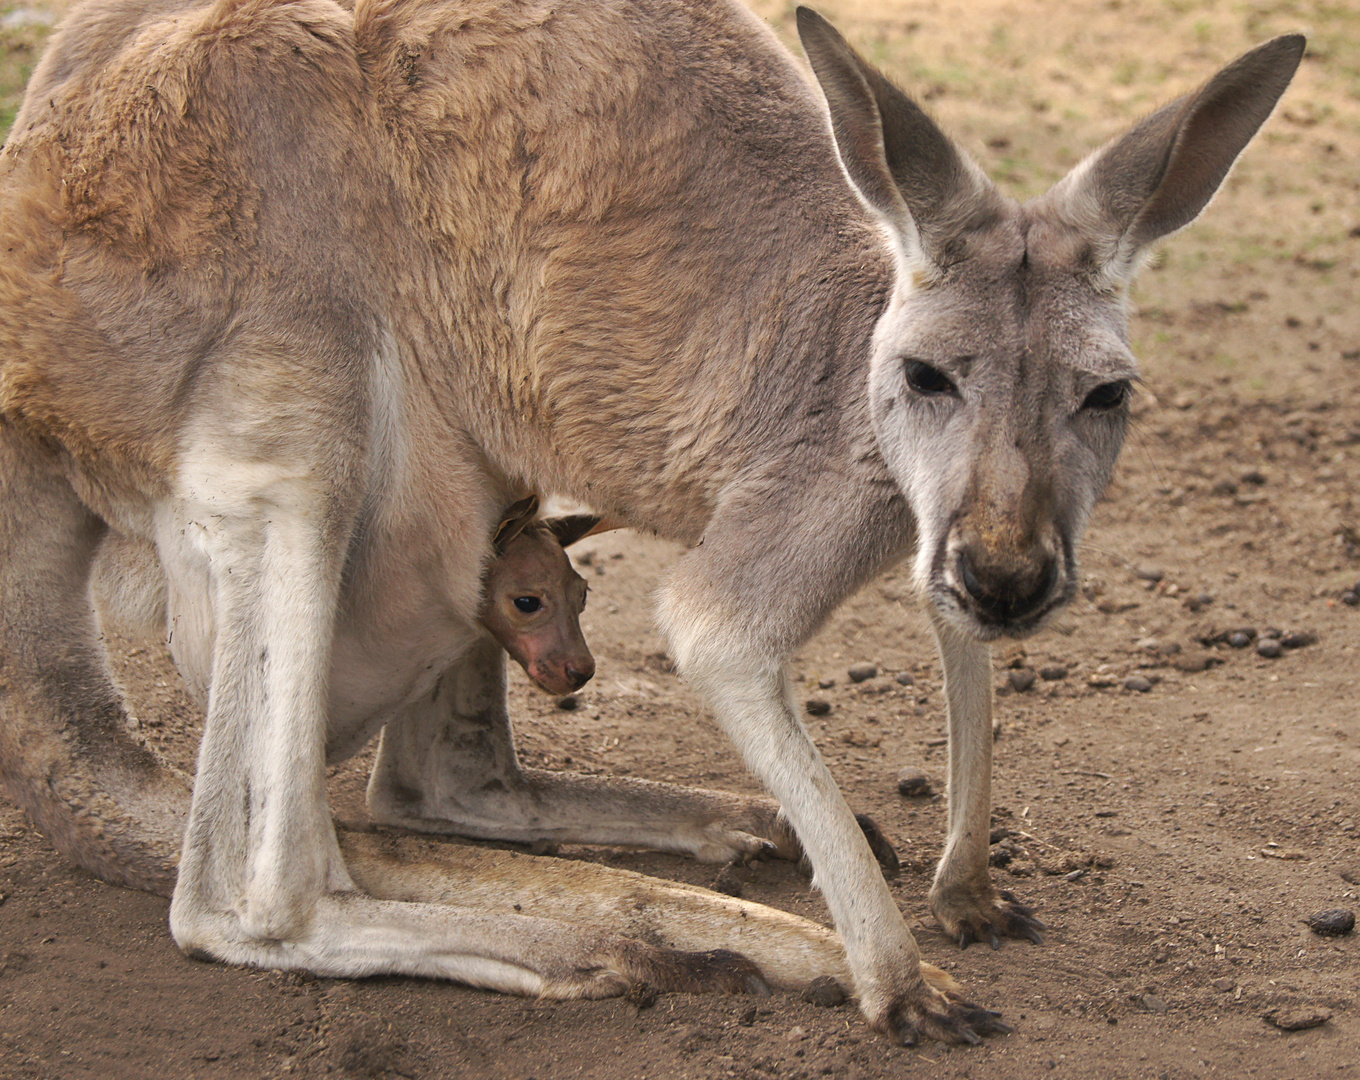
[{"x": 1174, "y": 837}]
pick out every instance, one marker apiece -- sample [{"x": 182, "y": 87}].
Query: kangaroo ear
[
  {"x": 571, "y": 528},
  {"x": 1159, "y": 176},
  {"x": 900, "y": 164},
  {"x": 515, "y": 519}
]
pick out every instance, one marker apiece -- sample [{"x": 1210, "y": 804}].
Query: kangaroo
[{"x": 301, "y": 294}]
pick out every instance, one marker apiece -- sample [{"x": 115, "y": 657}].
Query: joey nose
[
  {"x": 1004, "y": 594},
  {"x": 580, "y": 674}
]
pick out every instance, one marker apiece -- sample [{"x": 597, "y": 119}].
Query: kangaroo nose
[
  {"x": 1003, "y": 595},
  {"x": 579, "y": 676}
]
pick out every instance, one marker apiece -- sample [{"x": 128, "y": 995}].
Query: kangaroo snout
[{"x": 1006, "y": 592}]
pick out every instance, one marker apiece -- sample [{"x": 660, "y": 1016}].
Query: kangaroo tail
[{"x": 67, "y": 754}]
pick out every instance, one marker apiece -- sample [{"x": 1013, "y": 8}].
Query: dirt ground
[{"x": 1172, "y": 805}]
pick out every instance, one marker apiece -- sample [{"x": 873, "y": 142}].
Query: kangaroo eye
[
  {"x": 528, "y": 604},
  {"x": 928, "y": 380},
  {"x": 1107, "y": 396}
]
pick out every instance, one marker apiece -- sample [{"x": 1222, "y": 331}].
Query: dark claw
[
  {"x": 767, "y": 851},
  {"x": 992, "y": 938},
  {"x": 966, "y": 937},
  {"x": 959, "y": 1022},
  {"x": 879, "y": 844}
]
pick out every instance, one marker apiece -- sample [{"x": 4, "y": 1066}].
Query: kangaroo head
[
  {"x": 533, "y": 599},
  {"x": 1000, "y": 372}
]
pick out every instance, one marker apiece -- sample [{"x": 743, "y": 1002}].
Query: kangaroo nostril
[
  {"x": 579, "y": 678},
  {"x": 1004, "y": 595}
]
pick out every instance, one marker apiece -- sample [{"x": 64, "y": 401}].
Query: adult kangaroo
[{"x": 303, "y": 295}]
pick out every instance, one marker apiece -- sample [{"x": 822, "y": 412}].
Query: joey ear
[
  {"x": 571, "y": 528},
  {"x": 514, "y": 519},
  {"x": 1160, "y": 175},
  {"x": 902, "y": 166}
]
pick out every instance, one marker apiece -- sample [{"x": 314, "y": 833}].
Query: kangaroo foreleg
[
  {"x": 734, "y": 610},
  {"x": 448, "y": 765},
  {"x": 962, "y": 897}
]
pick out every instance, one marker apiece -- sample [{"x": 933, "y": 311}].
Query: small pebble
[
  {"x": 1137, "y": 683},
  {"x": 1270, "y": 648},
  {"x": 1240, "y": 639},
  {"x": 1299, "y": 639},
  {"x": 1222, "y": 984},
  {"x": 1255, "y": 477},
  {"x": 1153, "y": 1004},
  {"x": 1021, "y": 679},
  {"x": 729, "y": 881},
  {"x": 825, "y": 992},
  {"x": 1149, "y": 573},
  {"x": 569, "y": 703},
  {"x": 1351, "y": 599},
  {"x": 913, "y": 783},
  {"x": 905, "y": 678},
  {"x": 1198, "y": 602},
  {"x": 817, "y": 707},
  {"x": 860, "y": 672},
  {"x": 1298, "y": 1018},
  {"x": 1332, "y": 923},
  {"x": 748, "y": 1016},
  {"x": 1054, "y": 673},
  {"x": 825, "y": 684},
  {"x": 1194, "y": 662},
  {"x": 796, "y": 1034}
]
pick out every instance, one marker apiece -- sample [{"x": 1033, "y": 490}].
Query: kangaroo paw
[
  {"x": 969, "y": 918},
  {"x": 926, "y": 1013}
]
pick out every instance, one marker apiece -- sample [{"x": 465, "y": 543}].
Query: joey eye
[
  {"x": 1107, "y": 396},
  {"x": 928, "y": 380},
  {"x": 528, "y": 604}
]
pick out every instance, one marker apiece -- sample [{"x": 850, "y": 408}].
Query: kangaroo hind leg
[{"x": 67, "y": 756}]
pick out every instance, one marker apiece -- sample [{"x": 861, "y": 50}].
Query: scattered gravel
[
  {"x": 1053, "y": 673},
  {"x": 862, "y": 671},
  {"x": 1331, "y": 923},
  {"x": 905, "y": 678},
  {"x": 1270, "y": 648},
  {"x": 1299, "y": 639},
  {"x": 1153, "y": 1004},
  {"x": 1240, "y": 639},
  {"x": 818, "y": 707},
  {"x": 1137, "y": 683},
  {"x": 913, "y": 783}
]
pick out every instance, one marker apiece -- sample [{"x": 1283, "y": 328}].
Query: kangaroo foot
[
  {"x": 925, "y": 1012},
  {"x": 969, "y": 917}
]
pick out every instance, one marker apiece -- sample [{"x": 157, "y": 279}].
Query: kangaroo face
[
  {"x": 533, "y": 606},
  {"x": 1000, "y": 400}
]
